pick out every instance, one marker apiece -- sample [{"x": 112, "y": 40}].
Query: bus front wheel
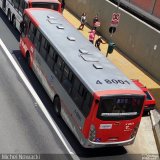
[
  {"x": 57, "y": 106},
  {"x": 27, "y": 58}
]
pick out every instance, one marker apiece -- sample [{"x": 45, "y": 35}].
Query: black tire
[
  {"x": 9, "y": 15},
  {"x": 27, "y": 58},
  {"x": 57, "y": 106},
  {"x": 14, "y": 21}
]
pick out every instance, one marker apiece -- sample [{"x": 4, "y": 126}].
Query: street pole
[{"x": 154, "y": 6}]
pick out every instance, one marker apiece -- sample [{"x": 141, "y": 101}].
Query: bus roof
[
  {"x": 50, "y": 1},
  {"x": 88, "y": 64}
]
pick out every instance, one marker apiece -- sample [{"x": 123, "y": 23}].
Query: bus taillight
[
  {"x": 134, "y": 132},
  {"x": 92, "y": 133}
]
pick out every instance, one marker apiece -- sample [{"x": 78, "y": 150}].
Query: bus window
[
  {"x": 66, "y": 82},
  {"x": 50, "y": 59},
  {"x": 54, "y": 6},
  {"x": 44, "y": 48},
  {"x": 22, "y": 6},
  {"x": 26, "y": 22},
  {"x": 59, "y": 68},
  {"x": 11, "y": 1},
  {"x": 118, "y": 108},
  {"x": 87, "y": 104},
  {"x": 37, "y": 40},
  {"x": 16, "y": 4},
  {"x": 65, "y": 72},
  {"x": 77, "y": 98},
  {"x": 32, "y": 31}
]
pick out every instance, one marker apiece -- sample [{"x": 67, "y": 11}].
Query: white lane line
[{"x": 34, "y": 94}]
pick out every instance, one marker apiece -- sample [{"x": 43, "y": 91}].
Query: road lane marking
[{"x": 36, "y": 97}]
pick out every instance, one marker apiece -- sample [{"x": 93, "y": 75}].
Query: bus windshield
[
  {"x": 118, "y": 108},
  {"x": 53, "y": 6}
]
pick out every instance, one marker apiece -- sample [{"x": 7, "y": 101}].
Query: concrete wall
[{"x": 136, "y": 39}]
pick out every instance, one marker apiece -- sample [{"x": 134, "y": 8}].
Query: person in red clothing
[{"x": 92, "y": 34}]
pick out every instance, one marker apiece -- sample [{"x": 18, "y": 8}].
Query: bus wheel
[
  {"x": 14, "y": 21},
  {"x": 57, "y": 106},
  {"x": 27, "y": 59},
  {"x": 9, "y": 15}
]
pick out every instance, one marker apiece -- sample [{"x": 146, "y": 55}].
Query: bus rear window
[
  {"x": 118, "y": 108},
  {"x": 53, "y": 6}
]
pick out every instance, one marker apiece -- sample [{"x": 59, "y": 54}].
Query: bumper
[{"x": 90, "y": 144}]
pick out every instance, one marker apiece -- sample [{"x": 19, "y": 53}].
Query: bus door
[{"x": 4, "y": 4}]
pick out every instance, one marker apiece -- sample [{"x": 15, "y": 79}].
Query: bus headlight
[
  {"x": 92, "y": 133},
  {"x": 134, "y": 132}
]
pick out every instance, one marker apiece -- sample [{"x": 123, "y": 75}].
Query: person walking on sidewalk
[
  {"x": 83, "y": 21},
  {"x": 92, "y": 34},
  {"x": 96, "y": 22},
  {"x": 98, "y": 42},
  {"x": 63, "y": 5}
]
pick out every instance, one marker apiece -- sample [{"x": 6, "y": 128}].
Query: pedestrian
[
  {"x": 98, "y": 42},
  {"x": 63, "y": 5},
  {"x": 92, "y": 34},
  {"x": 96, "y": 22},
  {"x": 83, "y": 21}
]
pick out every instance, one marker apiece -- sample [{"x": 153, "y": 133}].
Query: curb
[{"x": 155, "y": 119}]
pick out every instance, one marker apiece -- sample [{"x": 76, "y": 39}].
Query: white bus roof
[{"x": 91, "y": 67}]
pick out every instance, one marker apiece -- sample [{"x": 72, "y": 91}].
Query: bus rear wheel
[
  {"x": 9, "y": 15},
  {"x": 57, "y": 106}
]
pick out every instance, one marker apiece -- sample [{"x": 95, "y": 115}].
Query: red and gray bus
[
  {"x": 101, "y": 106},
  {"x": 14, "y": 8}
]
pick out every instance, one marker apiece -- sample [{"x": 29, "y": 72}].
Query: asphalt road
[{"x": 23, "y": 127}]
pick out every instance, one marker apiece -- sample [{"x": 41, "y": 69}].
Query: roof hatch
[
  {"x": 60, "y": 27},
  {"x": 89, "y": 58},
  {"x": 97, "y": 66},
  {"x": 83, "y": 51},
  {"x": 70, "y": 38},
  {"x": 51, "y": 17},
  {"x": 53, "y": 20}
]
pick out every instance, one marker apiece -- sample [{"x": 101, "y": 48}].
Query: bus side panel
[
  {"x": 71, "y": 123},
  {"x": 69, "y": 112},
  {"x": 44, "y": 76}
]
